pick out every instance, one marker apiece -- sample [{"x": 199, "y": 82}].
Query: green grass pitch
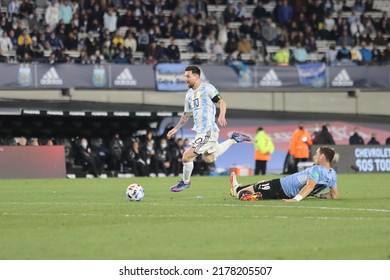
[{"x": 92, "y": 219}]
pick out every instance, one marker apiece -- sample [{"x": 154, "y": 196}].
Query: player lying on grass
[{"x": 295, "y": 187}]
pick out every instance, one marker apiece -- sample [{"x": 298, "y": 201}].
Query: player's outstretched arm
[
  {"x": 222, "y": 113},
  {"x": 183, "y": 120},
  {"x": 305, "y": 191}
]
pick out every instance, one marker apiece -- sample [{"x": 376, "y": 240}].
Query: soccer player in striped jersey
[
  {"x": 200, "y": 103},
  {"x": 293, "y": 188}
]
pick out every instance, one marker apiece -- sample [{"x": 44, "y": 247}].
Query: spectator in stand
[
  {"x": 22, "y": 141},
  {"x": 127, "y": 19},
  {"x": 26, "y": 9},
  {"x": 195, "y": 60},
  {"x": 143, "y": 40},
  {"x": 373, "y": 140},
  {"x": 345, "y": 39},
  {"x": 66, "y": 11},
  {"x": 209, "y": 42},
  {"x": 379, "y": 39},
  {"x": 55, "y": 42},
  {"x": 356, "y": 27},
  {"x": 150, "y": 157},
  {"x": 366, "y": 54},
  {"x": 358, "y": 6},
  {"x": 83, "y": 58},
  {"x": 260, "y": 12},
  {"x": 282, "y": 56},
  {"x": 338, "y": 5},
  {"x": 384, "y": 23},
  {"x": 177, "y": 151},
  {"x": 324, "y": 137},
  {"x": 135, "y": 160},
  {"x": 23, "y": 51},
  {"x": 329, "y": 23},
  {"x": 386, "y": 54},
  {"x": 377, "y": 56},
  {"x": 37, "y": 50},
  {"x": 87, "y": 158},
  {"x": 121, "y": 58},
  {"x": 229, "y": 13},
  {"x": 178, "y": 31},
  {"x": 269, "y": 32},
  {"x": 110, "y": 20},
  {"x": 52, "y": 59},
  {"x": 363, "y": 37},
  {"x": 91, "y": 44},
  {"x": 331, "y": 55},
  {"x": 33, "y": 142},
  {"x": 117, "y": 39},
  {"x": 369, "y": 25},
  {"x": 211, "y": 24},
  {"x": 356, "y": 56},
  {"x": 130, "y": 43},
  {"x": 173, "y": 52},
  {"x": 97, "y": 58},
  {"x": 299, "y": 146},
  {"x": 311, "y": 45},
  {"x": 315, "y": 133},
  {"x": 13, "y": 8},
  {"x": 255, "y": 32},
  {"x": 52, "y": 15},
  {"x": 196, "y": 45},
  {"x": 244, "y": 45},
  {"x": 218, "y": 52},
  {"x": 163, "y": 158},
  {"x": 13, "y": 38},
  {"x": 116, "y": 150},
  {"x": 71, "y": 42},
  {"x": 5, "y": 43},
  {"x": 240, "y": 11},
  {"x": 152, "y": 53},
  {"x": 299, "y": 54},
  {"x": 162, "y": 52},
  {"x": 355, "y": 138},
  {"x": 285, "y": 13},
  {"x": 223, "y": 34},
  {"x": 231, "y": 45},
  {"x": 17, "y": 27},
  {"x": 344, "y": 56}
]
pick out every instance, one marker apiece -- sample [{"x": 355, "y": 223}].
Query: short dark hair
[
  {"x": 194, "y": 69},
  {"x": 328, "y": 152}
]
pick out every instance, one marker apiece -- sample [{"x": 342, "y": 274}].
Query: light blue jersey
[
  {"x": 199, "y": 103},
  {"x": 323, "y": 177}
]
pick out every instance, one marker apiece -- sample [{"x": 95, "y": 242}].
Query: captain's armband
[{"x": 216, "y": 98}]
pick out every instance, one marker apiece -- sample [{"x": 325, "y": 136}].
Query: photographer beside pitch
[{"x": 293, "y": 188}]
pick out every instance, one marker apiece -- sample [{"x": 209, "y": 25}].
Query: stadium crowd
[{"x": 151, "y": 31}]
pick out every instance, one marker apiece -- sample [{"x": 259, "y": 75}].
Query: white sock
[
  {"x": 187, "y": 170},
  {"x": 223, "y": 147}
]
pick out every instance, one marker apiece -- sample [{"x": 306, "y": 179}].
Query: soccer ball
[{"x": 135, "y": 192}]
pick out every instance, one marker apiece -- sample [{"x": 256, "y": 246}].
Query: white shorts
[{"x": 205, "y": 142}]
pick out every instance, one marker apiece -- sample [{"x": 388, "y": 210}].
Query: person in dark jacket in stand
[
  {"x": 373, "y": 140},
  {"x": 355, "y": 138},
  {"x": 324, "y": 137}
]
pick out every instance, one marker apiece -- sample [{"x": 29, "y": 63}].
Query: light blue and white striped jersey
[
  {"x": 203, "y": 109},
  {"x": 323, "y": 177}
]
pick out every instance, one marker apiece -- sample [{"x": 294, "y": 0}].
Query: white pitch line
[
  {"x": 205, "y": 204},
  {"x": 191, "y": 216}
]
